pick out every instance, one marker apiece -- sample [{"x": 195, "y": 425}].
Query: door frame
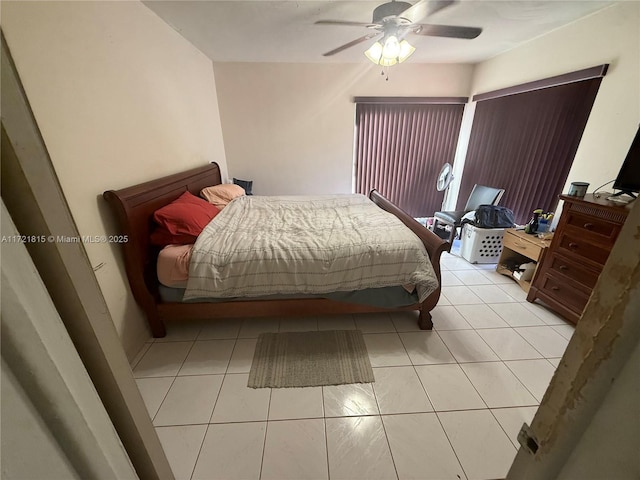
[{"x": 34, "y": 199}]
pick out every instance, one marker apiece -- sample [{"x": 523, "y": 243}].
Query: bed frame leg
[
  {"x": 157, "y": 326},
  {"x": 424, "y": 320}
]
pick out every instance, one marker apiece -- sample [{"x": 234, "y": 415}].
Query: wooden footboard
[
  {"x": 435, "y": 247},
  {"x": 134, "y": 207}
]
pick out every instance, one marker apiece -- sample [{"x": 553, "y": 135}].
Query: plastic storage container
[{"x": 481, "y": 245}]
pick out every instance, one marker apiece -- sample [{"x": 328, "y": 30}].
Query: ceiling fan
[{"x": 393, "y": 21}]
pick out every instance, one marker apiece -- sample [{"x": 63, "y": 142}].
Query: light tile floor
[{"x": 446, "y": 404}]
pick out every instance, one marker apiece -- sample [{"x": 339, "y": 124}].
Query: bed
[{"x": 134, "y": 208}]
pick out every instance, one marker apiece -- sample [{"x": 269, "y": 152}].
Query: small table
[{"x": 519, "y": 247}]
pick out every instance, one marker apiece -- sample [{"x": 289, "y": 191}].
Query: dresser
[{"x": 586, "y": 232}]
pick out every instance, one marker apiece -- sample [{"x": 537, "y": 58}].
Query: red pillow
[
  {"x": 186, "y": 215},
  {"x": 161, "y": 237}
]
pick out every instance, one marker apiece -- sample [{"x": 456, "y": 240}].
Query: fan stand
[
  {"x": 445, "y": 177},
  {"x": 445, "y": 198}
]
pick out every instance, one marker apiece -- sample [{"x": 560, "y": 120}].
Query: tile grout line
[
  {"x": 226, "y": 370},
  {"x": 193, "y": 343},
  {"x": 418, "y": 375},
  {"x": 326, "y": 437},
  {"x": 175, "y": 377},
  {"x": 386, "y": 437},
  {"x": 506, "y": 366},
  {"x": 193, "y": 469},
  {"x": 507, "y": 322},
  {"x": 138, "y": 358},
  {"x": 163, "y": 400},
  {"x": 528, "y": 342},
  {"x": 503, "y": 429},
  {"x": 379, "y": 415},
  {"x": 510, "y": 360},
  {"x": 266, "y": 428},
  {"x": 384, "y": 427},
  {"x": 451, "y": 443},
  {"x": 526, "y": 388}
]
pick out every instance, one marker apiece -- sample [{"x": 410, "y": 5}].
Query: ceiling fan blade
[
  {"x": 451, "y": 31},
  {"x": 424, "y": 8},
  {"x": 352, "y": 43},
  {"x": 349, "y": 24}
]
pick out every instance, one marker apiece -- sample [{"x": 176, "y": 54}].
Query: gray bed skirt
[{"x": 386, "y": 297}]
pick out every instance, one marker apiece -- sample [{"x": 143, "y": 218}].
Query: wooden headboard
[{"x": 134, "y": 207}]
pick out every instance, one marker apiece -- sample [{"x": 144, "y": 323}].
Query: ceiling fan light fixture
[
  {"x": 391, "y": 47},
  {"x": 391, "y": 52},
  {"x": 374, "y": 53},
  {"x": 406, "y": 49}
]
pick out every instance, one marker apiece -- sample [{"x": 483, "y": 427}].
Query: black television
[{"x": 628, "y": 179}]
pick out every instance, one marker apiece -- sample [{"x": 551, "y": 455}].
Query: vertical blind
[
  {"x": 525, "y": 143},
  {"x": 400, "y": 149}
]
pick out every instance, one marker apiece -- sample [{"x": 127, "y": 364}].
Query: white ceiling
[{"x": 284, "y": 31}]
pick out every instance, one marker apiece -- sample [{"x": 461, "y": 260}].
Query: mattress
[
  {"x": 306, "y": 245},
  {"x": 173, "y": 265},
  {"x": 173, "y": 272}
]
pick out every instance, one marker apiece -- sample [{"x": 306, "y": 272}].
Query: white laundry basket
[{"x": 481, "y": 245}]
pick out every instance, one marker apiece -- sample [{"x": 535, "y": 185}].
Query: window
[
  {"x": 525, "y": 140},
  {"x": 401, "y": 145}
]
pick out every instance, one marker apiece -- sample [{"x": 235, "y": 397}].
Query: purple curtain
[
  {"x": 525, "y": 143},
  {"x": 400, "y": 149}
]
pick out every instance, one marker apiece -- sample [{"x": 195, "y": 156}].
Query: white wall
[
  {"x": 120, "y": 98},
  {"x": 290, "y": 127},
  {"x": 610, "y": 36}
]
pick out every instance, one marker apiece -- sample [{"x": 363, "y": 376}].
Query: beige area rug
[{"x": 310, "y": 359}]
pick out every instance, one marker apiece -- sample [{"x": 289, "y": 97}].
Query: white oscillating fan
[{"x": 445, "y": 177}]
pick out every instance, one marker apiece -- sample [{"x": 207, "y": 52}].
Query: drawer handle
[
  {"x": 520, "y": 246},
  {"x": 563, "y": 267},
  {"x": 555, "y": 289},
  {"x": 588, "y": 226},
  {"x": 573, "y": 245}
]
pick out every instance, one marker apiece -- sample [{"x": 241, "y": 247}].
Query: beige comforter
[{"x": 305, "y": 245}]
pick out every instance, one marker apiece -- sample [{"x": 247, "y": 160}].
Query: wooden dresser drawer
[
  {"x": 574, "y": 245},
  {"x": 559, "y": 265},
  {"x": 606, "y": 231},
  {"x": 564, "y": 292},
  {"x": 521, "y": 246}
]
